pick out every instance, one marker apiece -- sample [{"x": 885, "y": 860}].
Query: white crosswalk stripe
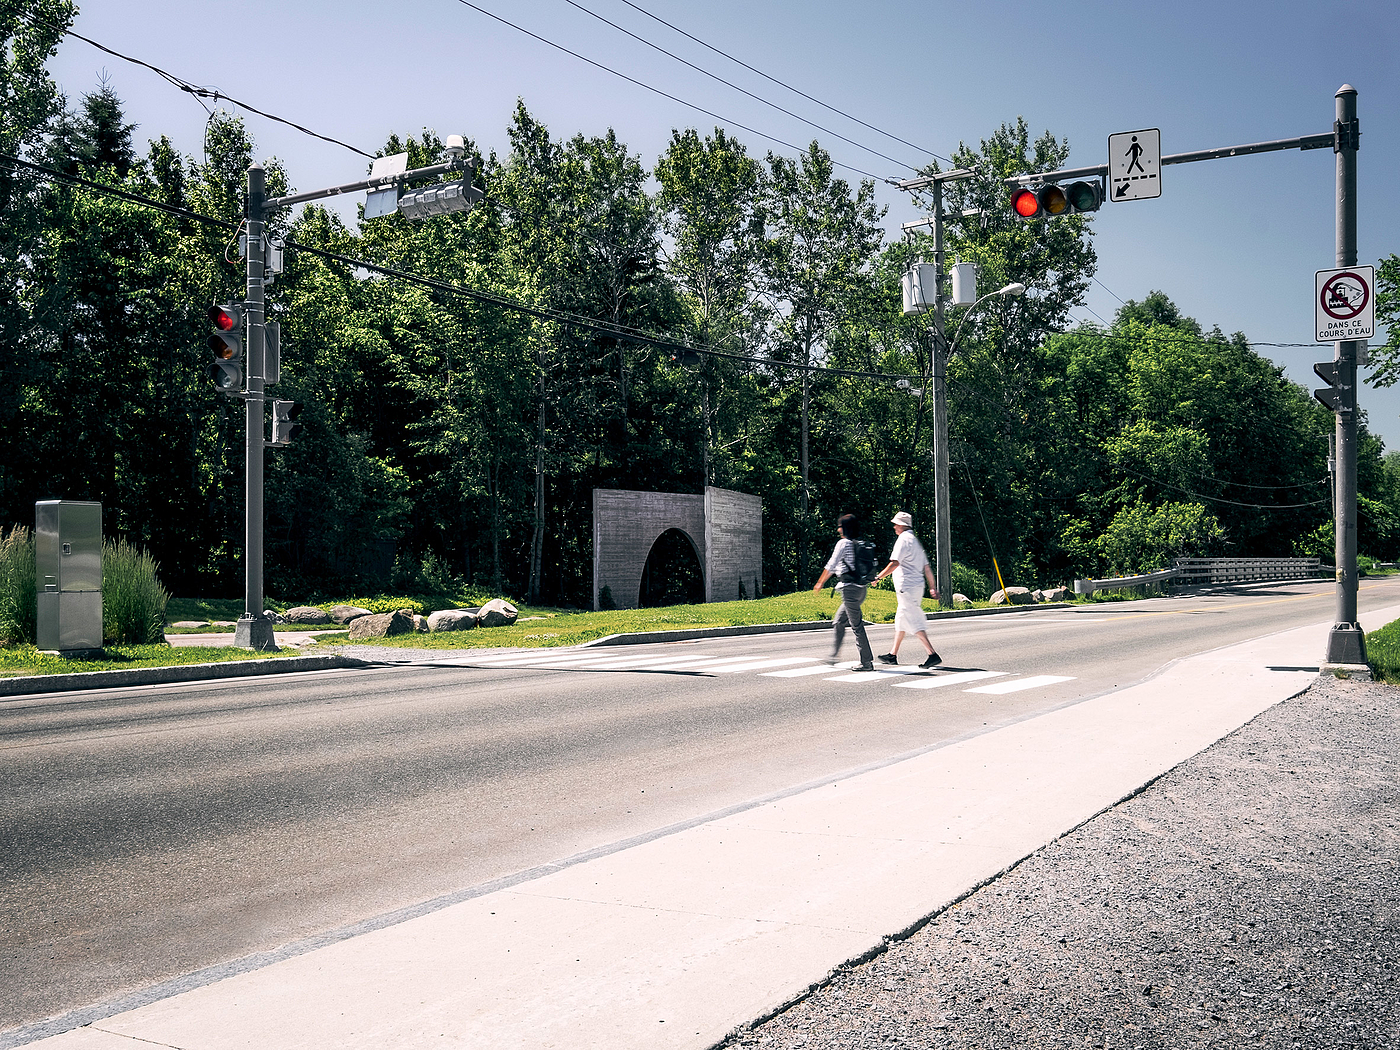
[
  {"x": 943, "y": 681},
  {"x": 910, "y": 677},
  {"x": 803, "y": 672},
  {"x": 1022, "y": 683}
]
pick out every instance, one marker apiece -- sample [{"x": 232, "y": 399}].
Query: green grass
[
  {"x": 19, "y": 660},
  {"x": 554, "y": 628},
  {"x": 206, "y": 609},
  {"x": 1383, "y": 652}
]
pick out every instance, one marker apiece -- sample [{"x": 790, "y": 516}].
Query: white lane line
[
  {"x": 616, "y": 663},
  {"x": 1023, "y": 683},
  {"x": 754, "y": 665},
  {"x": 956, "y": 678},
  {"x": 801, "y": 672}
]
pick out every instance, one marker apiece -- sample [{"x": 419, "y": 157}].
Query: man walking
[
  {"x": 910, "y": 567},
  {"x": 845, "y": 564}
]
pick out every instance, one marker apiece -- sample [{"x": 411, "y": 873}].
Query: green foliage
[
  {"x": 1143, "y": 538},
  {"x": 970, "y": 582},
  {"x": 26, "y": 660},
  {"x": 18, "y": 607},
  {"x": 133, "y": 601},
  {"x": 1385, "y": 359},
  {"x": 1383, "y": 652}
]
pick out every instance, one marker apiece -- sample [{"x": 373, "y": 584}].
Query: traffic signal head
[
  {"x": 442, "y": 198},
  {"x": 226, "y": 343},
  {"x": 284, "y": 424},
  {"x": 687, "y": 358},
  {"x": 1054, "y": 199}
]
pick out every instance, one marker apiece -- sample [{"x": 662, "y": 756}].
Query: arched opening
[{"x": 672, "y": 574}]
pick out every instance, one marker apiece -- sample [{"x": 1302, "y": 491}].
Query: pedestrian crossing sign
[{"x": 1135, "y": 165}]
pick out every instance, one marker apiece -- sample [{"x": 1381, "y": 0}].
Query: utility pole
[
  {"x": 386, "y": 186},
  {"x": 938, "y": 373},
  {"x": 1346, "y": 644},
  {"x": 254, "y": 630}
]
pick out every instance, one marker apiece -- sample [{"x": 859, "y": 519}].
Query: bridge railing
[{"x": 1197, "y": 571}]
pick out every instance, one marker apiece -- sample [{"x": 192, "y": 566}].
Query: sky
[{"x": 1234, "y": 242}]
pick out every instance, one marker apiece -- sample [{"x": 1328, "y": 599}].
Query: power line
[
  {"x": 196, "y": 90},
  {"x": 782, "y": 84},
  {"x": 664, "y": 94},
  {"x": 736, "y": 87}
]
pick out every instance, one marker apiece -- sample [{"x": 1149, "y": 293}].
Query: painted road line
[
  {"x": 879, "y": 672},
  {"x": 801, "y": 672},
  {"x": 956, "y": 678},
  {"x": 1022, "y": 683},
  {"x": 754, "y": 665}
]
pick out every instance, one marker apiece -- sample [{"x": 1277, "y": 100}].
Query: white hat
[{"x": 903, "y": 518}]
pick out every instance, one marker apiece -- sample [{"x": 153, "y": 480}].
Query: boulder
[
  {"x": 190, "y": 625},
  {"x": 381, "y": 625},
  {"x": 1055, "y": 594},
  {"x": 961, "y": 601},
  {"x": 1013, "y": 596},
  {"x": 273, "y": 616},
  {"x": 452, "y": 620},
  {"x": 347, "y": 613},
  {"x": 497, "y": 613},
  {"x": 306, "y": 614},
  {"x": 420, "y": 623}
]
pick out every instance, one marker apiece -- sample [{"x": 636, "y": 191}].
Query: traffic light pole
[
  {"x": 1346, "y": 644},
  {"x": 254, "y": 630}
]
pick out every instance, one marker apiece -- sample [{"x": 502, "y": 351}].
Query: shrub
[
  {"x": 970, "y": 582},
  {"x": 17, "y": 600},
  {"x": 133, "y": 601},
  {"x": 1383, "y": 652}
]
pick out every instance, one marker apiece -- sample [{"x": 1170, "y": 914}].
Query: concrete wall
[
  {"x": 625, "y": 526},
  {"x": 725, "y": 528},
  {"x": 733, "y": 544}
]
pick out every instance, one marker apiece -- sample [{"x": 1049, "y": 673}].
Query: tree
[{"x": 821, "y": 241}]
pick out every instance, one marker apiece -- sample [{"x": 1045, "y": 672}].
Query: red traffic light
[
  {"x": 225, "y": 318},
  {"x": 1025, "y": 203}
]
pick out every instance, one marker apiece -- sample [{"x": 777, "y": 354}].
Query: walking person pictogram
[{"x": 1135, "y": 152}]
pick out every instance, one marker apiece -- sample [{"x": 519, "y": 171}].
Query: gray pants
[{"x": 849, "y": 613}]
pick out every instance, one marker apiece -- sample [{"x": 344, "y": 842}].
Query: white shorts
[{"x": 909, "y": 617}]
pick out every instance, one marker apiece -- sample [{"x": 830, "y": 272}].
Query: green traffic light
[{"x": 1083, "y": 196}]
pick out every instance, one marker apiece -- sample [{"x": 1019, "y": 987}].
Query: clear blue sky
[{"x": 1234, "y": 242}]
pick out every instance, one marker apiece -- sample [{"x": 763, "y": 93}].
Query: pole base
[
  {"x": 1346, "y": 644},
  {"x": 254, "y": 632}
]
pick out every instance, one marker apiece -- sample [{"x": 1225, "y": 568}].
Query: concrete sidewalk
[{"x": 679, "y": 940}]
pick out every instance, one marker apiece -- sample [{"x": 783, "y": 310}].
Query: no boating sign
[{"x": 1345, "y": 304}]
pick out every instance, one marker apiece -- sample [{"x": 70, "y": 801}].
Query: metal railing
[
  {"x": 1245, "y": 570},
  {"x": 1197, "y": 571}
]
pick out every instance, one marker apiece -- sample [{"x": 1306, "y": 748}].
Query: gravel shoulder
[{"x": 1249, "y": 897}]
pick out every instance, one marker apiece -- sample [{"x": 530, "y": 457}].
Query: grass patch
[
  {"x": 553, "y": 628},
  {"x": 206, "y": 609},
  {"x": 18, "y": 660},
  {"x": 1383, "y": 652}
]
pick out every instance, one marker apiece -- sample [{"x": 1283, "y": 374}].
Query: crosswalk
[{"x": 796, "y": 667}]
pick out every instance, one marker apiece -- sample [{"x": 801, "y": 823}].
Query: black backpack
[{"x": 862, "y": 564}]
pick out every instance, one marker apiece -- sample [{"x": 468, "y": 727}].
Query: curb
[{"x": 62, "y": 683}]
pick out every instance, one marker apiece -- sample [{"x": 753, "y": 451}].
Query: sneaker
[
  {"x": 933, "y": 660},
  {"x": 889, "y": 658},
  {"x": 865, "y": 667}
]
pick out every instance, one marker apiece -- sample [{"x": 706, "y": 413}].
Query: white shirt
[{"x": 909, "y": 552}]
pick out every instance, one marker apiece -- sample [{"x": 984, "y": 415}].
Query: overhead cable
[
  {"x": 666, "y": 94},
  {"x": 736, "y": 87},
  {"x": 782, "y": 84}
]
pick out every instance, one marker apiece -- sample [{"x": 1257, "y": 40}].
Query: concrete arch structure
[{"x": 725, "y": 528}]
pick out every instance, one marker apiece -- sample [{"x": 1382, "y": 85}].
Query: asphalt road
[{"x": 149, "y": 832}]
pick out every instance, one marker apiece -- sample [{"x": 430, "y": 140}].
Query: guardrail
[
  {"x": 1115, "y": 583},
  {"x": 1246, "y": 570},
  {"x": 1195, "y": 571}
]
